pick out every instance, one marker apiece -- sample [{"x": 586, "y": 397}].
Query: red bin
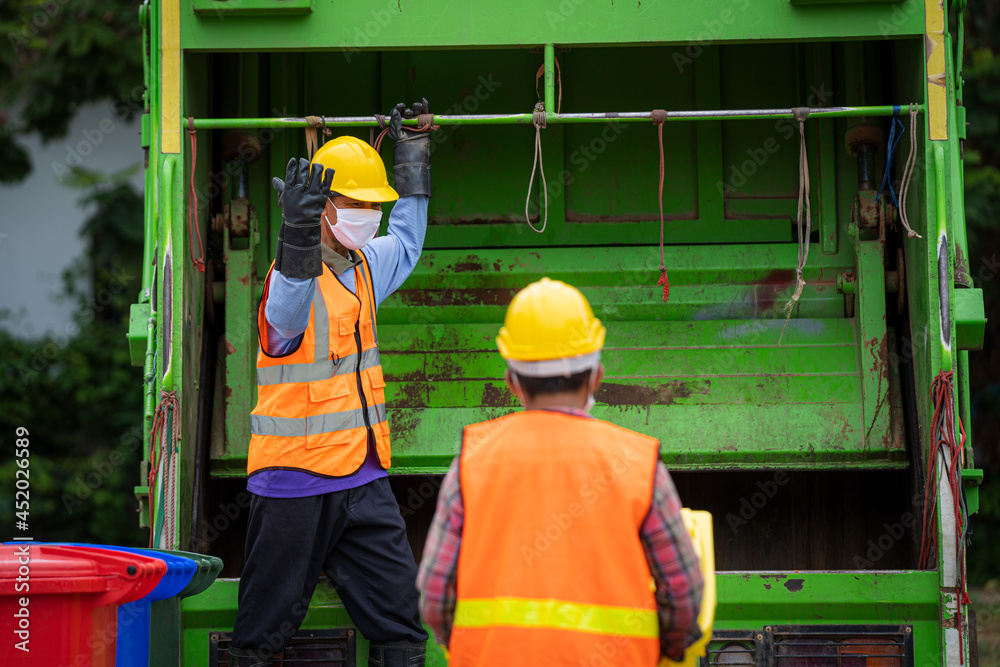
[{"x": 60, "y": 604}]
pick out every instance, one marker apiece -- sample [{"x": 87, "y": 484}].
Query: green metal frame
[
  {"x": 551, "y": 117},
  {"x": 833, "y": 367}
]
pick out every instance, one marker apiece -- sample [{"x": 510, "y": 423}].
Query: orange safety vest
[
  {"x": 551, "y": 570},
  {"x": 317, "y": 405}
]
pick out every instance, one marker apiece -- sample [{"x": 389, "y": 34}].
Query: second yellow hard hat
[{"x": 549, "y": 320}]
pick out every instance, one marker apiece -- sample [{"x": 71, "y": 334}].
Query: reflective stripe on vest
[
  {"x": 317, "y": 370},
  {"x": 316, "y": 424},
  {"x": 318, "y": 405},
  {"x": 557, "y": 614}
]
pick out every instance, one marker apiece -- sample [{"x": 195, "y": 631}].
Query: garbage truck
[{"x": 763, "y": 201}]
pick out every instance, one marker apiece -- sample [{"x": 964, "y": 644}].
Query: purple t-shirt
[{"x": 391, "y": 259}]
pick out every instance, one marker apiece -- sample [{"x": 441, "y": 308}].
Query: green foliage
[
  {"x": 985, "y": 541},
  {"x": 62, "y": 54},
  {"x": 77, "y": 393},
  {"x": 982, "y": 201}
]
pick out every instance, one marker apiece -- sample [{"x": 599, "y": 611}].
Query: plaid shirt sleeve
[
  {"x": 438, "y": 576},
  {"x": 674, "y": 566}
]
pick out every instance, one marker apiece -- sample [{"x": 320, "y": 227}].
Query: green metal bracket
[
  {"x": 871, "y": 327},
  {"x": 972, "y": 478},
  {"x": 142, "y": 494},
  {"x": 550, "y": 82},
  {"x": 970, "y": 319},
  {"x": 138, "y": 322},
  {"x": 233, "y": 7},
  {"x": 239, "y": 341}
]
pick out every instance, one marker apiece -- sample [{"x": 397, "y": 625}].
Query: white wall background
[{"x": 41, "y": 218}]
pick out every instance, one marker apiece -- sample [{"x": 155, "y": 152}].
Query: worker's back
[{"x": 551, "y": 567}]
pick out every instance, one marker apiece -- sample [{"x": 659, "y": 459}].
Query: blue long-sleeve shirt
[{"x": 391, "y": 259}]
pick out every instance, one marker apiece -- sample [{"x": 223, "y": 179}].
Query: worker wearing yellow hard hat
[
  {"x": 319, "y": 445},
  {"x": 558, "y": 537}
]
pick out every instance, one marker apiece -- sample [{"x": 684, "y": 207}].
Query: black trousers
[{"x": 357, "y": 537}]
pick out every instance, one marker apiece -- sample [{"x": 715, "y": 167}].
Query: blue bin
[{"x": 133, "y": 618}]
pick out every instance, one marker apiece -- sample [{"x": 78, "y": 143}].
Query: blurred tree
[
  {"x": 76, "y": 391},
  {"x": 982, "y": 201},
  {"x": 63, "y": 54}
]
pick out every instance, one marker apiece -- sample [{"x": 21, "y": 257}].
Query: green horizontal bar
[
  {"x": 761, "y": 389},
  {"x": 643, "y": 304},
  {"x": 467, "y": 337},
  {"x": 814, "y": 436},
  {"x": 621, "y": 265},
  {"x": 527, "y": 118},
  {"x": 753, "y": 599}
]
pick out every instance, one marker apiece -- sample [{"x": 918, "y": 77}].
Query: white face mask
[
  {"x": 592, "y": 387},
  {"x": 355, "y": 226}
]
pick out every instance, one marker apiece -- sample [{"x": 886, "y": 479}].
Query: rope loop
[
  {"x": 163, "y": 441},
  {"x": 538, "y": 120},
  {"x": 376, "y": 141},
  {"x": 312, "y": 142},
  {"x": 800, "y": 114},
  {"x": 538, "y": 76},
  {"x": 911, "y": 162},
  {"x": 425, "y": 123},
  {"x": 194, "y": 229},
  {"x": 659, "y": 117}
]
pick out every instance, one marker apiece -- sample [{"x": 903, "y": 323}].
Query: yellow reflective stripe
[{"x": 557, "y": 614}]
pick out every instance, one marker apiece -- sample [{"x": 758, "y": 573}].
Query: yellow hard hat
[
  {"x": 360, "y": 172},
  {"x": 550, "y": 330}
]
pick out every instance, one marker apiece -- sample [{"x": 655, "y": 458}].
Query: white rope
[
  {"x": 911, "y": 161},
  {"x": 538, "y": 119},
  {"x": 800, "y": 115}
]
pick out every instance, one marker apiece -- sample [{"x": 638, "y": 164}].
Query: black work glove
[
  {"x": 411, "y": 151},
  {"x": 302, "y": 196}
]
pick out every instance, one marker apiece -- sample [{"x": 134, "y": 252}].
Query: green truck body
[{"x": 805, "y": 429}]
